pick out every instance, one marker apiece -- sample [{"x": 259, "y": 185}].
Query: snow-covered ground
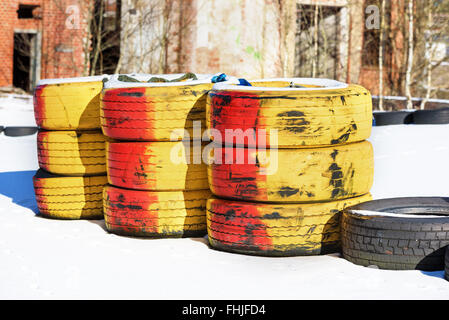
[{"x": 53, "y": 259}]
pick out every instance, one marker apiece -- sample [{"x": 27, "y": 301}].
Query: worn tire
[
  {"x": 436, "y": 116},
  {"x": 149, "y": 166},
  {"x": 69, "y": 197},
  {"x": 375, "y": 233},
  {"x": 393, "y": 117},
  {"x": 303, "y": 117},
  {"x": 152, "y": 111},
  {"x": 68, "y": 105},
  {"x": 276, "y": 229},
  {"x": 72, "y": 153},
  {"x": 302, "y": 175},
  {"x": 157, "y": 214}
]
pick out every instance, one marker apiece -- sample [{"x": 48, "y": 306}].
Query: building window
[{"x": 26, "y": 11}]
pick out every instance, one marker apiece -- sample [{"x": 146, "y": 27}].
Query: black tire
[
  {"x": 446, "y": 264},
  {"x": 2, "y": 128},
  {"x": 391, "y": 240},
  {"x": 437, "y": 116},
  {"x": 19, "y": 131},
  {"x": 393, "y": 117}
]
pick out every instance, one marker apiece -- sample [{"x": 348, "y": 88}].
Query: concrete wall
[{"x": 250, "y": 38}]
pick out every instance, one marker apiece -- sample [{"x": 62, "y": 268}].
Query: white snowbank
[
  {"x": 113, "y": 82},
  {"x": 410, "y": 161},
  {"x": 54, "y": 259},
  {"x": 16, "y": 110}
]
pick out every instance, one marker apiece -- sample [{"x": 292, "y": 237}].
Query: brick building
[
  {"x": 41, "y": 39},
  {"x": 248, "y": 38}
]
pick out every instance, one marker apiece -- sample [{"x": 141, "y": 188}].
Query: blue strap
[
  {"x": 243, "y": 82},
  {"x": 220, "y": 78},
  {"x": 223, "y": 77}
]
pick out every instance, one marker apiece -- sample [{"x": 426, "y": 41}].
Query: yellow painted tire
[
  {"x": 68, "y": 105},
  {"x": 324, "y": 114},
  {"x": 276, "y": 229},
  {"x": 152, "y": 111},
  {"x": 299, "y": 175},
  {"x": 69, "y": 197},
  {"x": 159, "y": 214},
  {"x": 157, "y": 166},
  {"x": 72, "y": 153}
]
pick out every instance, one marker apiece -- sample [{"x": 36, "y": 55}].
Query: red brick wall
[{"x": 54, "y": 63}]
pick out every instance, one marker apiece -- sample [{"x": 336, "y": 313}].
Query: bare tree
[
  {"x": 98, "y": 33},
  {"x": 428, "y": 49},
  {"x": 285, "y": 11},
  {"x": 430, "y": 58},
  {"x": 381, "y": 57},
  {"x": 315, "y": 42},
  {"x": 150, "y": 30},
  {"x": 318, "y": 48},
  {"x": 408, "y": 74}
]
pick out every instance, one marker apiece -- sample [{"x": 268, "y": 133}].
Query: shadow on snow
[
  {"x": 436, "y": 274},
  {"x": 18, "y": 185}
]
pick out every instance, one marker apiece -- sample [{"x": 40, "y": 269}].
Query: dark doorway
[
  {"x": 26, "y": 11},
  {"x": 24, "y": 53}
]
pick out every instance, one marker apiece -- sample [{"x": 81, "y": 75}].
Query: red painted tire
[
  {"x": 155, "y": 213},
  {"x": 321, "y": 112},
  {"x": 293, "y": 175},
  {"x": 155, "y": 166},
  {"x": 276, "y": 229},
  {"x": 152, "y": 111}
]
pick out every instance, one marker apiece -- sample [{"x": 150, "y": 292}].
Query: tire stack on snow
[
  {"x": 71, "y": 148},
  {"x": 155, "y": 188},
  {"x": 287, "y": 201}
]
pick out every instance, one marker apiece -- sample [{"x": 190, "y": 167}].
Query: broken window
[{"x": 26, "y": 11}]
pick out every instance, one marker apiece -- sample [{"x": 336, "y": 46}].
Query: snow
[
  {"x": 22, "y": 105},
  {"x": 113, "y": 82},
  {"x": 54, "y": 259},
  {"x": 324, "y": 84},
  {"x": 410, "y": 160}
]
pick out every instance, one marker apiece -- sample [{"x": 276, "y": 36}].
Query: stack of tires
[
  {"x": 286, "y": 200},
  {"x": 71, "y": 148},
  {"x": 157, "y": 182}
]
